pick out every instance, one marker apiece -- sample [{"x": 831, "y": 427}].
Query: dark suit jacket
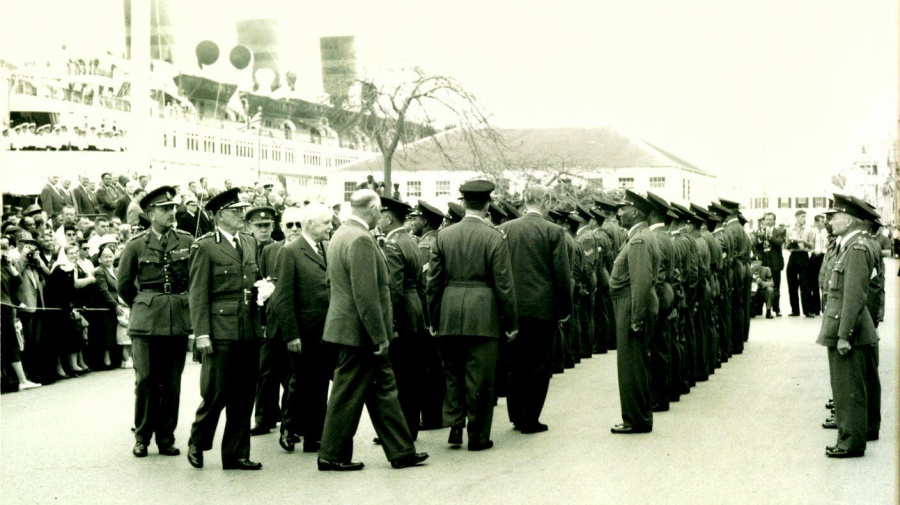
[
  {"x": 470, "y": 283},
  {"x": 107, "y": 197},
  {"x": 84, "y": 200},
  {"x": 300, "y": 300},
  {"x": 360, "y": 312},
  {"x": 52, "y": 200},
  {"x": 267, "y": 269},
  {"x": 222, "y": 295},
  {"x": 540, "y": 267},
  {"x": 773, "y": 258}
]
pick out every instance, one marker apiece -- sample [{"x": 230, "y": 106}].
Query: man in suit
[
  {"x": 631, "y": 283},
  {"x": 133, "y": 210},
  {"x": 848, "y": 331},
  {"x": 359, "y": 323},
  {"x": 152, "y": 279},
  {"x": 38, "y": 358},
  {"x": 471, "y": 302},
  {"x": 297, "y": 309},
  {"x": 224, "y": 314},
  {"x": 405, "y": 279},
  {"x": 83, "y": 197},
  {"x": 107, "y": 195},
  {"x": 52, "y": 197},
  {"x": 193, "y": 219},
  {"x": 541, "y": 276},
  {"x": 768, "y": 242}
]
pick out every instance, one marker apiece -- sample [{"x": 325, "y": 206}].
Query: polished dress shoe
[
  {"x": 871, "y": 436},
  {"x": 660, "y": 407},
  {"x": 627, "y": 429},
  {"x": 259, "y": 430},
  {"x": 455, "y": 437},
  {"x": 195, "y": 456},
  {"x": 830, "y": 424},
  {"x": 168, "y": 450},
  {"x": 839, "y": 452},
  {"x": 286, "y": 441},
  {"x": 140, "y": 450},
  {"x": 529, "y": 429},
  {"x": 334, "y": 466},
  {"x": 480, "y": 446},
  {"x": 409, "y": 460},
  {"x": 312, "y": 446},
  {"x": 793, "y": 315},
  {"x": 241, "y": 464}
]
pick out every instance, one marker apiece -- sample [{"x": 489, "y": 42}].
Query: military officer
[
  {"x": 661, "y": 340},
  {"x": 615, "y": 237},
  {"x": 563, "y": 343},
  {"x": 434, "y": 386},
  {"x": 688, "y": 309},
  {"x": 455, "y": 213},
  {"x": 497, "y": 214},
  {"x": 405, "y": 281},
  {"x": 848, "y": 330},
  {"x": 152, "y": 279},
  {"x": 586, "y": 297},
  {"x": 224, "y": 314},
  {"x": 631, "y": 283},
  {"x": 472, "y": 303}
]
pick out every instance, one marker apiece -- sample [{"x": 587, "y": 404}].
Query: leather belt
[{"x": 165, "y": 287}]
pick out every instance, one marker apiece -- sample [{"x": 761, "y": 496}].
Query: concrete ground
[{"x": 751, "y": 434}]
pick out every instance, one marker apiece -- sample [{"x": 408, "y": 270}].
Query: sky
[{"x": 768, "y": 92}]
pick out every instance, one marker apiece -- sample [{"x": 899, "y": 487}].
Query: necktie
[
  {"x": 321, "y": 249},
  {"x": 164, "y": 241},
  {"x": 238, "y": 248}
]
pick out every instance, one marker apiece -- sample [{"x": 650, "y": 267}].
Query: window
[
  {"x": 626, "y": 182},
  {"x": 784, "y": 202},
  {"x": 819, "y": 202},
  {"x": 761, "y": 203},
  {"x": 193, "y": 143},
  {"x": 442, "y": 188},
  {"x": 657, "y": 182},
  {"x": 801, "y": 202},
  {"x": 685, "y": 189},
  {"x": 414, "y": 188},
  {"x": 349, "y": 188}
]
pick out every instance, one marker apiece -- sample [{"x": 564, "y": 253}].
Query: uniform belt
[{"x": 165, "y": 287}]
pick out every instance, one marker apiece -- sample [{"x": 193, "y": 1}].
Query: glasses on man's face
[{"x": 292, "y": 225}]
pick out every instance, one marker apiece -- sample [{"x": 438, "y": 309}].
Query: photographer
[
  {"x": 768, "y": 241},
  {"x": 30, "y": 297},
  {"x": 761, "y": 289}
]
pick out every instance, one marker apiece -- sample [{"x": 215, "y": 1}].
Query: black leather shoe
[
  {"x": 660, "y": 407},
  {"x": 286, "y": 441},
  {"x": 829, "y": 424},
  {"x": 455, "y": 437},
  {"x": 259, "y": 430},
  {"x": 168, "y": 450},
  {"x": 528, "y": 429},
  {"x": 140, "y": 450},
  {"x": 409, "y": 460},
  {"x": 241, "y": 464},
  {"x": 478, "y": 446},
  {"x": 195, "y": 456},
  {"x": 313, "y": 446},
  {"x": 627, "y": 429},
  {"x": 871, "y": 436},
  {"x": 793, "y": 315},
  {"x": 837, "y": 452},
  {"x": 325, "y": 466}
]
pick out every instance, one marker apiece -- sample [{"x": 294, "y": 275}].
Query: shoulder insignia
[
  {"x": 182, "y": 232},
  {"x": 424, "y": 245},
  {"x": 138, "y": 235},
  {"x": 859, "y": 247},
  {"x": 206, "y": 235},
  {"x": 636, "y": 241},
  {"x": 392, "y": 246}
]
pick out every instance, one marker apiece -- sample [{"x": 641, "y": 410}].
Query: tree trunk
[{"x": 388, "y": 184}]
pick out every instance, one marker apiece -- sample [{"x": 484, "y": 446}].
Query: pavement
[{"x": 751, "y": 434}]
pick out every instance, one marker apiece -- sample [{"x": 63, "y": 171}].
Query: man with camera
[
  {"x": 800, "y": 240},
  {"x": 768, "y": 242}
]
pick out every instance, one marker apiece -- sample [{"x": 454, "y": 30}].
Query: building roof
[{"x": 571, "y": 148}]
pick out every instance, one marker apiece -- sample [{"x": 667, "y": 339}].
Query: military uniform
[
  {"x": 223, "y": 307},
  {"x": 152, "y": 279},
  {"x": 405, "y": 281}
]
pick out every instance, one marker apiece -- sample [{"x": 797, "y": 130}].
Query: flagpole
[{"x": 258, "y": 143}]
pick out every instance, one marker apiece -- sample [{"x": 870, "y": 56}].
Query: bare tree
[{"x": 413, "y": 107}]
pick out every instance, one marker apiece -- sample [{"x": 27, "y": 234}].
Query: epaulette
[
  {"x": 206, "y": 235},
  {"x": 859, "y": 247},
  {"x": 138, "y": 235},
  {"x": 182, "y": 232},
  {"x": 636, "y": 240},
  {"x": 390, "y": 244}
]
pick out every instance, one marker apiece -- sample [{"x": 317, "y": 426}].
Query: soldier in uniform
[
  {"x": 586, "y": 301},
  {"x": 848, "y": 330},
  {"x": 455, "y": 213},
  {"x": 661, "y": 340},
  {"x": 405, "y": 281},
  {"x": 434, "y": 386},
  {"x": 688, "y": 308},
  {"x": 632, "y": 282},
  {"x": 497, "y": 214},
  {"x": 615, "y": 235},
  {"x": 152, "y": 279},
  {"x": 740, "y": 255},
  {"x": 225, "y": 317},
  {"x": 472, "y": 304},
  {"x": 562, "y": 343},
  {"x": 582, "y": 276},
  {"x": 274, "y": 367}
]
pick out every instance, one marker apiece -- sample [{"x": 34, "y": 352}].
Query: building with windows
[{"x": 605, "y": 157}]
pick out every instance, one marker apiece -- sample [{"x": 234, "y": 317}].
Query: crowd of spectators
[
  {"x": 31, "y": 137},
  {"x": 61, "y": 314}
]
